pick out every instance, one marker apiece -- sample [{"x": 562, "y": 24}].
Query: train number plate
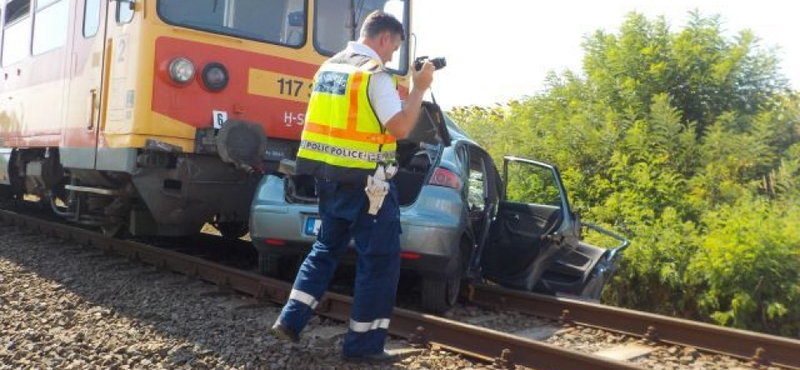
[
  {"x": 219, "y": 117},
  {"x": 312, "y": 226}
]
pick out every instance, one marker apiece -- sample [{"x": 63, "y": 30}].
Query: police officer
[{"x": 348, "y": 144}]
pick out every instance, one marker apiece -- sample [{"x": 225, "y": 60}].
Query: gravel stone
[
  {"x": 65, "y": 306},
  {"x": 590, "y": 340}
]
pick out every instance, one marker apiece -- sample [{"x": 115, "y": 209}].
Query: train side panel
[{"x": 32, "y": 90}]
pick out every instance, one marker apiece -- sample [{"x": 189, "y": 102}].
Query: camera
[{"x": 438, "y": 63}]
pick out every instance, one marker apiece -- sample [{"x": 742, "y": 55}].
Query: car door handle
[{"x": 554, "y": 237}]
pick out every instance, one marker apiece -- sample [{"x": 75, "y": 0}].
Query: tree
[
  {"x": 688, "y": 142},
  {"x": 705, "y": 74}
]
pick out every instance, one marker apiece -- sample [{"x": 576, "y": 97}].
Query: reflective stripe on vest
[
  {"x": 345, "y": 154},
  {"x": 341, "y": 127}
]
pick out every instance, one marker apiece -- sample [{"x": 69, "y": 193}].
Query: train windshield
[
  {"x": 274, "y": 21},
  {"x": 339, "y": 21}
]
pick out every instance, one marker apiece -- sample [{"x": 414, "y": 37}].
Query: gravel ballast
[{"x": 65, "y": 306}]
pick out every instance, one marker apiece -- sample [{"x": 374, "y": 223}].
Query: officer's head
[{"x": 383, "y": 33}]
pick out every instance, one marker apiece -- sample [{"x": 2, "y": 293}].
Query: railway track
[
  {"x": 502, "y": 349},
  {"x": 760, "y": 349}
]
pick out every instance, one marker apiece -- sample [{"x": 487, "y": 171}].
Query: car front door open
[{"x": 533, "y": 225}]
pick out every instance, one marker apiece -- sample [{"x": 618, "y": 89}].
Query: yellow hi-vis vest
[{"x": 343, "y": 140}]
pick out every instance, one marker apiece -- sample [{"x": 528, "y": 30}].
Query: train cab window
[
  {"x": 339, "y": 21},
  {"x": 275, "y": 21},
  {"x": 17, "y": 31},
  {"x": 91, "y": 18},
  {"x": 50, "y": 25}
]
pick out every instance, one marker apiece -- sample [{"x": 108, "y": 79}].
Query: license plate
[{"x": 312, "y": 226}]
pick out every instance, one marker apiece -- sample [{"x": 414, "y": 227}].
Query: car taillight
[
  {"x": 275, "y": 242},
  {"x": 409, "y": 255},
  {"x": 444, "y": 177}
]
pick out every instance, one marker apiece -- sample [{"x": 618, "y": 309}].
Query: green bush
[
  {"x": 747, "y": 270},
  {"x": 688, "y": 143}
]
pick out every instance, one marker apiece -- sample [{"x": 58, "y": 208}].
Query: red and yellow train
[{"x": 158, "y": 116}]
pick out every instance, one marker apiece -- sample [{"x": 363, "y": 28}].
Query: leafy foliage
[{"x": 688, "y": 142}]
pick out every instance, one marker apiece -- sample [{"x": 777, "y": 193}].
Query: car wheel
[
  {"x": 269, "y": 264},
  {"x": 440, "y": 294},
  {"x": 276, "y": 266}
]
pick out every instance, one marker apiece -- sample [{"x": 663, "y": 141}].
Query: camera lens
[{"x": 438, "y": 63}]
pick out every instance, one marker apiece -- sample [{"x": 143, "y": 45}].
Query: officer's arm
[{"x": 401, "y": 124}]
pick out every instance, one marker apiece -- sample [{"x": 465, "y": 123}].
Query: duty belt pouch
[{"x": 377, "y": 188}]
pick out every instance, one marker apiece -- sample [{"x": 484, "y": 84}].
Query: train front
[{"x": 214, "y": 95}]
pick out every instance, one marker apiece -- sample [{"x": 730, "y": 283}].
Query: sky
[{"x": 500, "y": 50}]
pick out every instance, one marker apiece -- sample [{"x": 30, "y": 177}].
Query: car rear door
[{"x": 533, "y": 226}]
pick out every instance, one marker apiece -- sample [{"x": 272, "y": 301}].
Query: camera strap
[{"x": 433, "y": 97}]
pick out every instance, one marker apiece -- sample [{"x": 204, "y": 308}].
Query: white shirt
[{"x": 382, "y": 92}]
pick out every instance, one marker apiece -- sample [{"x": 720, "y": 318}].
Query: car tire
[
  {"x": 439, "y": 294},
  {"x": 276, "y": 266}
]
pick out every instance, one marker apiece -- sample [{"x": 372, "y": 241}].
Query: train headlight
[
  {"x": 215, "y": 76},
  {"x": 181, "y": 70}
]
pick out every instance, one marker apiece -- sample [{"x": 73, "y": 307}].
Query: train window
[
  {"x": 125, "y": 11},
  {"x": 91, "y": 17},
  {"x": 43, "y": 3},
  {"x": 339, "y": 21},
  {"x": 17, "y": 32},
  {"x": 50, "y": 26},
  {"x": 17, "y": 9},
  {"x": 275, "y": 21}
]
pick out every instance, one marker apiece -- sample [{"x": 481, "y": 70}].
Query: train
[{"x": 157, "y": 117}]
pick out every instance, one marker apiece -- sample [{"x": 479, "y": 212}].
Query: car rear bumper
[
  {"x": 425, "y": 265},
  {"x": 431, "y": 229}
]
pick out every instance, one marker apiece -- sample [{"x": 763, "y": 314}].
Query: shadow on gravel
[{"x": 122, "y": 314}]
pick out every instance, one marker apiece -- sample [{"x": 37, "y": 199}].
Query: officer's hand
[{"x": 424, "y": 77}]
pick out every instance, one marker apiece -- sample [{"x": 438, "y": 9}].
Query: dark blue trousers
[{"x": 343, "y": 210}]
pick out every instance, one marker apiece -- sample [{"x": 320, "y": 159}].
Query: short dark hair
[{"x": 378, "y": 21}]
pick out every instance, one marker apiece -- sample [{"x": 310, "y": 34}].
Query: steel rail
[
  {"x": 761, "y": 348},
  {"x": 504, "y": 350}
]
